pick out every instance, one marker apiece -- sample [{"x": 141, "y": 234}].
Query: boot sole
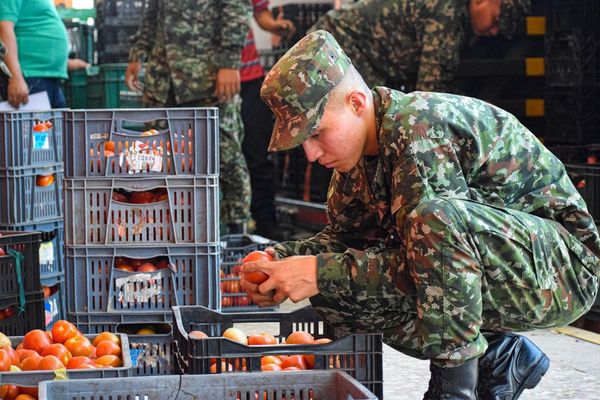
[{"x": 535, "y": 376}]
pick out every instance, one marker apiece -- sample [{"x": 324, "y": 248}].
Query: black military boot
[
  {"x": 511, "y": 364},
  {"x": 457, "y": 383}
]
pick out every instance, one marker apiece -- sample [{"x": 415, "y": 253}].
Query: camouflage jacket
[
  {"x": 436, "y": 145},
  {"x": 186, "y": 42},
  {"x": 402, "y": 42},
  {"x": 2, "y": 51}
]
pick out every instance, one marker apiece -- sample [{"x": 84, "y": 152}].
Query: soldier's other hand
[
  {"x": 292, "y": 277},
  {"x": 228, "y": 84},
  {"x": 132, "y": 75},
  {"x": 17, "y": 92}
]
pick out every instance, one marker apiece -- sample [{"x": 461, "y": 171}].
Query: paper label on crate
[
  {"x": 135, "y": 355},
  {"x": 140, "y": 159},
  {"x": 99, "y": 136},
  {"x": 47, "y": 253},
  {"x": 41, "y": 141},
  {"x": 140, "y": 288}
]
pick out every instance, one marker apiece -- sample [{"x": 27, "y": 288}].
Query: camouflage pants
[
  {"x": 474, "y": 267},
  {"x": 234, "y": 178}
]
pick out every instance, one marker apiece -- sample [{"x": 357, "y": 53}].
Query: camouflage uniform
[
  {"x": 463, "y": 221},
  {"x": 186, "y": 43},
  {"x": 410, "y": 43}
]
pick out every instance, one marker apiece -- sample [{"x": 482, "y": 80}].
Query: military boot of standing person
[
  {"x": 511, "y": 364},
  {"x": 456, "y": 383}
]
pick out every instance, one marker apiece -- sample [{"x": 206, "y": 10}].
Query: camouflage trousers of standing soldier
[
  {"x": 234, "y": 177},
  {"x": 474, "y": 268}
]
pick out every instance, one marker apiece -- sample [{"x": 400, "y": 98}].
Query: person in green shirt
[{"x": 36, "y": 51}]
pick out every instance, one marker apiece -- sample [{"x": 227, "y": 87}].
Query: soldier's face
[
  {"x": 340, "y": 139},
  {"x": 485, "y": 16}
]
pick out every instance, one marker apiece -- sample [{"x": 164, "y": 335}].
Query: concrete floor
[{"x": 574, "y": 372}]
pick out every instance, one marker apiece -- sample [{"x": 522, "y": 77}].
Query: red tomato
[
  {"x": 79, "y": 346},
  {"x": 5, "y": 360},
  {"x": 31, "y": 363},
  {"x": 300, "y": 337},
  {"x": 80, "y": 362},
  {"x": 270, "y": 367},
  {"x": 23, "y": 353},
  {"x": 116, "y": 196},
  {"x": 9, "y": 392},
  {"x": 146, "y": 267},
  {"x": 50, "y": 363},
  {"x": 256, "y": 277},
  {"x": 32, "y": 391},
  {"x": 141, "y": 197},
  {"x": 36, "y": 340},
  {"x": 106, "y": 336},
  {"x": 59, "y": 351},
  {"x": 12, "y": 353},
  {"x": 108, "y": 360},
  {"x": 262, "y": 339},
  {"x": 108, "y": 347},
  {"x": 25, "y": 396},
  {"x": 44, "y": 180},
  {"x": 197, "y": 335},
  {"x": 63, "y": 330}
]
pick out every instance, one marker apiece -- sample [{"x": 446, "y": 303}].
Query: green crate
[
  {"x": 76, "y": 87},
  {"x": 104, "y": 89}
]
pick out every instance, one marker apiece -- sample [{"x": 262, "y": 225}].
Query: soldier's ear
[{"x": 358, "y": 101}]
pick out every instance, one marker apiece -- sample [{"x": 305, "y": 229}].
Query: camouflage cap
[
  {"x": 298, "y": 86},
  {"x": 512, "y": 14}
]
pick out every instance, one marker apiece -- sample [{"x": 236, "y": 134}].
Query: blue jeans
[{"x": 52, "y": 86}]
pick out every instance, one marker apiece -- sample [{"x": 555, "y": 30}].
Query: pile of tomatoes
[
  {"x": 295, "y": 362},
  {"x": 141, "y": 265},
  {"x": 230, "y": 283},
  {"x": 143, "y": 197},
  {"x": 64, "y": 347}
]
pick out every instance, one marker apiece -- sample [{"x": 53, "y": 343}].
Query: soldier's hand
[
  {"x": 17, "y": 92},
  {"x": 228, "y": 84},
  {"x": 132, "y": 76},
  {"x": 293, "y": 277}
]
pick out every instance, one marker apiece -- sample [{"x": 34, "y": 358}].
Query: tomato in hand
[{"x": 256, "y": 277}]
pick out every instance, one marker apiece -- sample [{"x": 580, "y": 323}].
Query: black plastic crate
[
  {"x": 15, "y": 281},
  {"x": 150, "y": 353},
  {"x": 33, "y": 378},
  {"x": 119, "y": 12},
  {"x": 586, "y": 179},
  {"x": 18, "y": 322},
  {"x": 572, "y": 15},
  {"x": 96, "y": 285},
  {"x": 25, "y": 199},
  {"x": 572, "y": 114},
  {"x": 51, "y": 249},
  {"x": 24, "y": 146},
  {"x": 360, "y": 355},
  {"x": 301, "y": 385},
  {"x": 572, "y": 59},
  {"x": 142, "y": 143},
  {"x": 233, "y": 249}
]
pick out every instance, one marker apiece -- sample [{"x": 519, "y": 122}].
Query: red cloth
[{"x": 251, "y": 68}]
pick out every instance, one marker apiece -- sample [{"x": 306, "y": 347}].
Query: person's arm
[
  {"x": 280, "y": 26},
  {"x": 234, "y": 29},
  {"x": 141, "y": 45},
  {"x": 18, "y": 92},
  {"x": 442, "y": 39}
]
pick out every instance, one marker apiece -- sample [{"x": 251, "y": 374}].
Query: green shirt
[{"x": 41, "y": 37}]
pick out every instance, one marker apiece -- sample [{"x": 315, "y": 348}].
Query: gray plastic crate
[
  {"x": 33, "y": 378},
  {"x": 94, "y": 285},
  {"x": 23, "y": 202},
  {"x": 27, "y": 244},
  {"x": 22, "y": 147},
  {"x": 189, "y": 215},
  {"x": 150, "y": 354},
  {"x": 51, "y": 249},
  {"x": 138, "y": 143},
  {"x": 54, "y": 305},
  {"x": 233, "y": 249},
  {"x": 300, "y": 385}
]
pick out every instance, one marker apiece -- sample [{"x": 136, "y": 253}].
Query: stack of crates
[
  {"x": 141, "y": 223},
  {"x": 572, "y": 53},
  {"x": 117, "y": 21},
  {"x": 31, "y": 175}
]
